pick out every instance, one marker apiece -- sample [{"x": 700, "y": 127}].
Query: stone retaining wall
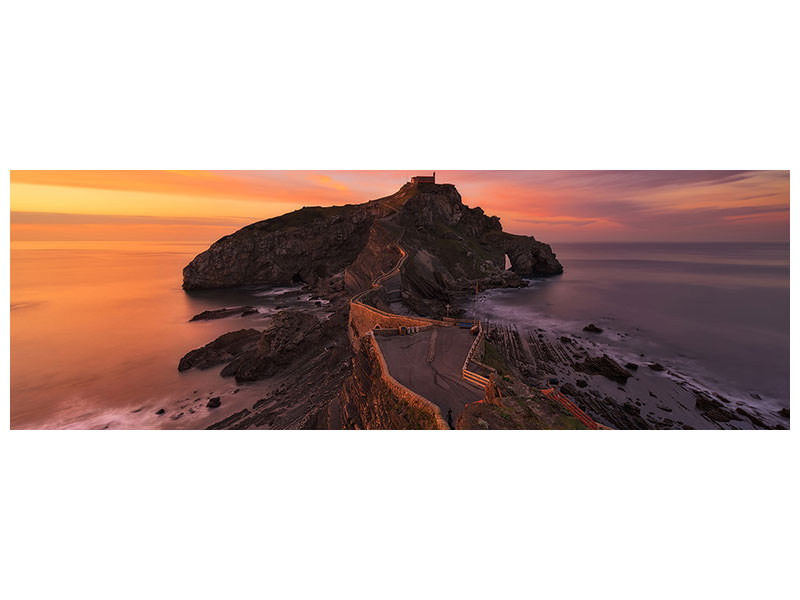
[
  {"x": 410, "y": 329},
  {"x": 363, "y": 319},
  {"x": 400, "y": 391}
]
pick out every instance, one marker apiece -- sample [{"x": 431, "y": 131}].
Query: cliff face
[
  {"x": 304, "y": 246},
  {"x": 341, "y": 248}
]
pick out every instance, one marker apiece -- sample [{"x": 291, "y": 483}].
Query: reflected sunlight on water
[{"x": 101, "y": 326}]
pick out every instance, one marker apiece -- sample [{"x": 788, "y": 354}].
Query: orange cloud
[{"x": 327, "y": 181}]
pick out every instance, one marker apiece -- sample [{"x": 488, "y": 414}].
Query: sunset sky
[{"x": 551, "y": 205}]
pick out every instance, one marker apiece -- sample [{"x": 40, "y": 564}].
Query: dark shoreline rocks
[
  {"x": 230, "y": 421},
  {"x": 713, "y": 409},
  {"x": 592, "y": 328},
  {"x": 221, "y": 313},
  {"x": 290, "y": 335},
  {"x": 223, "y": 349},
  {"x": 605, "y": 366},
  {"x": 253, "y": 354}
]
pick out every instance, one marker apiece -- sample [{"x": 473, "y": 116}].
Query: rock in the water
[
  {"x": 592, "y": 328},
  {"x": 530, "y": 257},
  {"x": 605, "y": 366},
  {"x": 631, "y": 366},
  {"x": 290, "y": 335},
  {"x": 631, "y": 408},
  {"x": 214, "y": 402},
  {"x": 160, "y": 411},
  {"x": 712, "y": 408},
  {"x": 784, "y": 412},
  {"x": 230, "y": 422},
  {"x": 569, "y": 389},
  {"x": 753, "y": 418},
  {"x": 221, "y": 313},
  {"x": 656, "y": 367},
  {"x": 223, "y": 349}
]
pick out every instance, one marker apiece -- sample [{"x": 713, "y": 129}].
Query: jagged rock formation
[
  {"x": 251, "y": 354},
  {"x": 605, "y": 366},
  {"x": 304, "y": 246},
  {"x": 340, "y": 249},
  {"x": 290, "y": 336},
  {"x": 529, "y": 257},
  {"x": 443, "y": 248},
  {"x": 223, "y": 349},
  {"x": 222, "y": 313}
]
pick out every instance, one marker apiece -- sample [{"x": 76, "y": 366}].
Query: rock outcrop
[
  {"x": 251, "y": 354},
  {"x": 341, "y": 248},
  {"x": 223, "y": 349},
  {"x": 530, "y": 257},
  {"x": 291, "y": 335},
  {"x": 222, "y": 313},
  {"x": 304, "y": 246},
  {"x": 713, "y": 409},
  {"x": 605, "y": 366}
]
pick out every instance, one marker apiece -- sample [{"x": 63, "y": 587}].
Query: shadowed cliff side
[
  {"x": 304, "y": 246},
  {"x": 340, "y": 248}
]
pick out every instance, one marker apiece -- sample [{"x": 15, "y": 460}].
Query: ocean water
[
  {"x": 717, "y": 312},
  {"x": 97, "y": 330}
]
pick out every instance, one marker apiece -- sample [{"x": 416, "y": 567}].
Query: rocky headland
[
  {"x": 335, "y": 253},
  {"x": 339, "y": 249},
  {"x": 314, "y": 370}
]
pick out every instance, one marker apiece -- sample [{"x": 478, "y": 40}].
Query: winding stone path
[{"x": 439, "y": 380}]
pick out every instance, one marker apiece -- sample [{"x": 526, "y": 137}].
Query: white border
[{"x": 415, "y": 85}]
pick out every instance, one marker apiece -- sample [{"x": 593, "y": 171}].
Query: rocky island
[{"x": 386, "y": 339}]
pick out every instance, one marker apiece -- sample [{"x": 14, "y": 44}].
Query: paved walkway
[{"x": 431, "y": 366}]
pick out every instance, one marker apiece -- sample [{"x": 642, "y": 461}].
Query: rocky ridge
[{"x": 338, "y": 249}]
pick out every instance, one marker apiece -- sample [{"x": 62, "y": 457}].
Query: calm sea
[
  {"x": 97, "y": 330},
  {"x": 718, "y": 312}
]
